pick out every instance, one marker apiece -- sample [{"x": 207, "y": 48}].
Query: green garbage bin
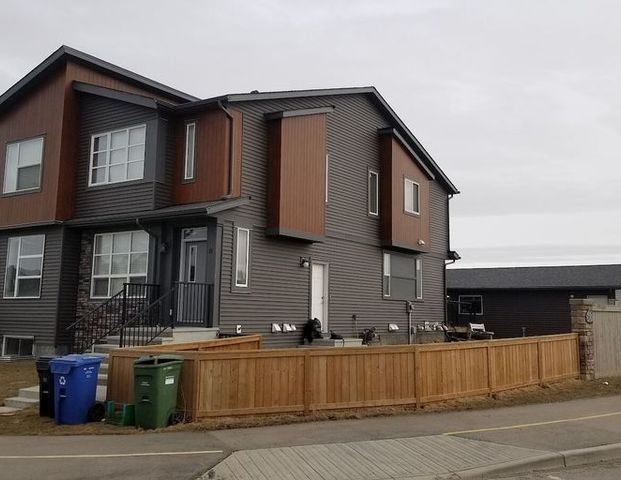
[{"x": 156, "y": 379}]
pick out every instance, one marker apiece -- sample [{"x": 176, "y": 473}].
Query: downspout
[
  {"x": 448, "y": 239},
  {"x": 229, "y": 193}
]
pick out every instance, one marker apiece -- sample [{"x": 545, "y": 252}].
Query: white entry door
[{"x": 319, "y": 289}]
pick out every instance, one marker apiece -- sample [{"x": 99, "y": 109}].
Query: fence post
[
  {"x": 307, "y": 381},
  {"x": 540, "y": 362},
  {"x": 490, "y": 370},
  {"x": 418, "y": 379}
]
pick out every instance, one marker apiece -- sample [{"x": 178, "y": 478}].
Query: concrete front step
[
  {"x": 114, "y": 340},
  {"x": 102, "y": 379},
  {"x": 8, "y": 410},
  {"x": 29, "y": 392},
  {"x": 20, "y": 402}
]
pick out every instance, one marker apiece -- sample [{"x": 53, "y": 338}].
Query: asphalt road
[
  {"x": 597, "y": 471},
  {"x": 554, "y": 426}
]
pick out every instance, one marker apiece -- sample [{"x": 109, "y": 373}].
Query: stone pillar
[{"x": 582, "y": 324}]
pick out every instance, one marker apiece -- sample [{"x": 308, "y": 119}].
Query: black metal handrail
[
  {"x": 193, "y": 300},
  {"x": 106, "y": 318},
  {"x": 148, "y": 323}
]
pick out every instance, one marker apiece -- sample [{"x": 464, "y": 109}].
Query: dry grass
[{"x": 27, "y": 422}]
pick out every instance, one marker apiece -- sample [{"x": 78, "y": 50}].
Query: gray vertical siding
[
  {"x": 68, "y": 286},
  {"x": 280, "y": 289},
  {"x": 99, "y": 115},
  {"x": 33, "y": 317}
]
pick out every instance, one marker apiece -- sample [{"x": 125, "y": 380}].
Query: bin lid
[
  {"x": 63, "y": 364},
  {"x": 150, "y": 360}
]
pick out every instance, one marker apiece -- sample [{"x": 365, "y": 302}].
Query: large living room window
[
  {"x": 118, "y": 258},
  {"x": 24, "y": 267},
  {"x": 402, "y": 277},
  {"x": 22, "y": 170},
  {"x": 117, "y": 156}
]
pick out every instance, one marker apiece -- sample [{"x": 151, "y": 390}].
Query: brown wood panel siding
[
  {"x": 297, "y": 173},
  {"x": 40, "y": 113},
  {"x": 33, "y": 316},
  {"x": 400, "y": 228},
  {"x": 279, "y": 287},
  {"x": 211, "y": 176}
]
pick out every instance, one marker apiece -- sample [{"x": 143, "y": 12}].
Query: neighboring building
[
  {"x": 530, "y": 300},
  {"x": 236, "y": 212}
]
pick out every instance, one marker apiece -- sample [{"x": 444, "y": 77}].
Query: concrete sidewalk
[{"x": 467, "y": 443}]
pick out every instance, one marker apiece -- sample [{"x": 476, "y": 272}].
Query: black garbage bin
[{"x": 46, "y": 387}]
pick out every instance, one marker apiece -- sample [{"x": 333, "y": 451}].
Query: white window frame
[
  {"x": 18, "y": 143},
  {"x": 128, "y": 276},
  {"x": 406, "y": 183},
  {"x": 19, "y": 337},
  {"x": 460, "y": 300},
  {"x": 237, "y": 253},
  {"x": 108, "y": 149},
  {"x": 418, "y": 276},
  {"x": 17, "y": 275},
  {"x": 386, "y": 273},
  {"x": 189, "y": 164},
  {"x": 327, "y": 174},
  {"x": 373, "y": 212}
]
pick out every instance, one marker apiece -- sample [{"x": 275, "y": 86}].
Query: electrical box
[{"x": 238, "y": 329}]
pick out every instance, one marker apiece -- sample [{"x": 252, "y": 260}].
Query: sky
[{"x": 517, "y": 101}]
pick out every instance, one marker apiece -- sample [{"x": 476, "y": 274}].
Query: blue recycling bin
[{"x": 75, "y": 387}]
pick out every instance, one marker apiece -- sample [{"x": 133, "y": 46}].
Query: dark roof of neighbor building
[
  {"x": 565, "y": 277},
  {"x": 191, "y": 103}
]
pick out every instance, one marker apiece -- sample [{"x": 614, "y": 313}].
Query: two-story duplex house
[{"x": 126, "y": 202}]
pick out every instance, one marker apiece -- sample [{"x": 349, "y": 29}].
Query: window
[
  {"x": 241, "y": 257},
  {"x": 327, "y": 174},
  {"x": 190, "y": 148},
  {"x": 418, "y": 267},
  {"x": 17, "y": 346},
  {"x": 386, "y": 278},
  {"x": 118, "y": 258},
  {"x": 412, "y": 196},
  {"x": 470, "y": 305},
  {"x": 403, "y": 277},
  {"x": 117, "y": 156},
  {"x": 373, "y": 193},
  {"x": 24, "y": 267},
  {"x": 22, "y": 170}
]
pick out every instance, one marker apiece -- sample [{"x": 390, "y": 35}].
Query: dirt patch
[
  {"x": 27, "y": 422},
  {"x": 16, "y": 375}
]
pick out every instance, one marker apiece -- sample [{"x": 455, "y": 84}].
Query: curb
[{"x": 600, "y": 453}]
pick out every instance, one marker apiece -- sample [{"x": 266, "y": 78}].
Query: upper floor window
[
  {"x": 412, "y": 196},
  {"x": 22, "y": 170},
  {"x": 118, "y": 258},
  {"x": 190, "y": 150},
  {"x": 470, "y": 305},
  {"x": 118, "y": 156},
  {"x": 24, "y": 267},
  {"x": 373, "y": 193},
  {"x": 242, "y": 257}
]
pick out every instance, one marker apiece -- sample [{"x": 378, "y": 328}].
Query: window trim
[
  {"x": 186, "y": 177},
  {"x": 407, "y": 180},
  {"x": 459, "y": 300},
  {"x": 235, "y": 282},
  {"x": 110, "y": 276},
  {"x": 385, "y": 275},
  {"x": 6, "y": 151},
  {"x": 108, "y": 135},
  {"x": 6, "y": 265},
  {"x": 370, "y": 173},
  {"x": 418, "y": 277}
]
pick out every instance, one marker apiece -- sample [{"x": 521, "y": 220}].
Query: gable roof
[
  {"x": 398, "y": 125},
  {"x": 565, "y": 277},
  {"x": 64, "y": 53}
]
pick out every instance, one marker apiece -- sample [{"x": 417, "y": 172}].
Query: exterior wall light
[{"x": 304, "y": 262}]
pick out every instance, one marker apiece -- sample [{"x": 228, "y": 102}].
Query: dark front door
[{"x": 192, "y": 307}]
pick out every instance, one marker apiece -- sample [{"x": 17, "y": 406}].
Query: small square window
[{"x": 22, "y": 170}]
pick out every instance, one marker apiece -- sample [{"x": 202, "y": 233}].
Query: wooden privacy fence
[{"x": 236, "y": 382}]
